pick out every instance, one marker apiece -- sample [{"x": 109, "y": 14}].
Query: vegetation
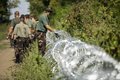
[
  {"x": 34, "y": 67},
  {"x": 37, "y": 6},
  {"x": 5, "y": 6},
  {"x": 96, "y": 23},
  {"x": 3, "y": 31}
]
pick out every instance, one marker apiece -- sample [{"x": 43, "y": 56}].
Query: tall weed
[{"x": 34, "y": 67}]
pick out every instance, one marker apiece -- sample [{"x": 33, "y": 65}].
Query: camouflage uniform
[
  {"x": 41, "y": 33},
  {"x": 14, "y": 22},
  {"x": 41, "y": 38},
  {"x": 22, "y": 33}
]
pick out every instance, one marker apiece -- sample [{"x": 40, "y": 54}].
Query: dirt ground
[{"x": 6, "y": 59}]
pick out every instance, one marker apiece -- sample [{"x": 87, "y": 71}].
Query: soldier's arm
[
  {"x": 10, "y": 30},
  {"x": 50, "y": 28},
  {"x": 9, "y": 34},
  {"x": 14, "y": 35},
  {"x": 28, "y": 31},
  {"x": 45, "y": 22}
]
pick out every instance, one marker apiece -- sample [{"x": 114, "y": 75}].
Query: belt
[
  {"x": 22, "y": 37},
  {"x": 40, "y": 31}
]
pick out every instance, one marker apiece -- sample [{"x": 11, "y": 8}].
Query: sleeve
[
  {"x": 35, "y": 25},
  {"x": 15, "y": 30},
  {"x": 44, "y": 20},
  {"x": 29, "y": 23},
  {"x": 12, "y": 23},
  {"x": 28, "y": 30}
]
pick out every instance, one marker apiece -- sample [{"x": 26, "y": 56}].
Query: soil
[{"x": 6, "y": 60}]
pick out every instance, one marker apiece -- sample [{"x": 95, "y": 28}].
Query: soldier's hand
[{"x": 8, "y": 36}]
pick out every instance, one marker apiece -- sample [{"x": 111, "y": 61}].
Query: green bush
[
  {"x": 34, "y": 67},
  {"x": 95, "y": 22}
]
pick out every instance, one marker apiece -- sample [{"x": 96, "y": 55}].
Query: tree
[
  {"x": 37, "y": 6},
  {"x": 3, "y": 9},
  {"x": 5, "y": 6}
]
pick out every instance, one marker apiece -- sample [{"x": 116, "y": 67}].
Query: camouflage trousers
[
  {"x": 11, "y": 41},
  {"x": 21, "y": 44},
  {"x": 41, "y": 38}
]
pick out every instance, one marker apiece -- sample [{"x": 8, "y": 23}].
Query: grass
[
  {"x": 33, "y": 67},
  {"x": 2, "y": 46},
  {"x": 3, "y": 31}
]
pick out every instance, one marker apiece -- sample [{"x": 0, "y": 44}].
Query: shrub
[
  {"x": 34, "y": 67},
  {"x": 96, "y": 23}
]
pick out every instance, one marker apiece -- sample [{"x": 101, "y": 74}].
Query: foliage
[
  {"x": 58, "y": 18},
  {"x": 13, "y": 3},
  {"x": 34, "y": 67},
  {"x": 3, "y": 10},
  {"x": 3, "y": 29},
  {"x": 5, "y": 6},
  {"x": 54, "y": 3},
  {"x": 96, "y": 23},
  {"x": 37, "y": 6}
]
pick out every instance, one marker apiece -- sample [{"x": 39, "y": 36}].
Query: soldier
[
  {"x": 14, "y": 21},
  {"x": 28, "y": 21},
  {"x": 21, "y": 35},
  {"x": 42, "y": 28},
  {"x": 34, "y": 20}
]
